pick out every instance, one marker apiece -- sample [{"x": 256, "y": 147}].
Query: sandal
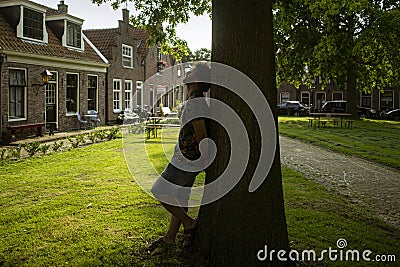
[
  {"x": 157, "y": 243},
  {"x": 188, "y": 237}
]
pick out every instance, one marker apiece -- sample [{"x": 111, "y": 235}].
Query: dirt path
[{"x": 371, "y": 185}]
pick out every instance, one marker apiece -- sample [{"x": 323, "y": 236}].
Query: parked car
[
  {"x": 336, "y": 106},
  {"x": 294, "y": 108},
  {"x": 393, "y": 115},
  {"x": 368, "y": 113}
]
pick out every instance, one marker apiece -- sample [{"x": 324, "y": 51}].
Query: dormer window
[
  {"x": 33, "y": 24},
  {"x": 74, "y": 35},
  {"x": 30, "y": 24}
]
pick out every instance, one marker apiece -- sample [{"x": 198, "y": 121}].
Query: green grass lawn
[
  {"x": 83, "y": 208},
  {"x": 375, "y": 140}
]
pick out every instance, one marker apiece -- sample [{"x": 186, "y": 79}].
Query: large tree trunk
[{"x": 233, "y": 229}]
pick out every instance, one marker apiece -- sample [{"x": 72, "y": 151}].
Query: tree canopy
[
  {"x": 338, "y": 40},
  {"x": 202, "y": 54},
  {"x": 160, "y": 18}
]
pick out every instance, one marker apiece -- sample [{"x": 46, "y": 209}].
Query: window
[
  {"x": 305, "y": 98},
  {"x": 366, "y": 100},
  {"x": 320, "y": 100},
  {"x": 159, "y": 54},
  {"x": 72, "y": 92},
  {"x": 92, "y": 92},
  {"x": 179, "y": 72},
  {"x": 33, "y": 24},
  {"x": 151, "y": 89},
  {"x": 285, "y": 96},
  {"x": 128, "y": 95},
  {"x": 74, "y": 35},
  {"x": 17, "y": 94},
  {"x": 127, "y": 56},
  {"x": 117, "y": 99},
  {"x": 139, "y": 86},
  {"x": 386, "y": 102},
  {"x": 51, "y": 87},
  {"x": 337, "y": 96}
]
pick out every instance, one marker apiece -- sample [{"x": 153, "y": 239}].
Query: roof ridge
[{"x": 104, "y": 29}]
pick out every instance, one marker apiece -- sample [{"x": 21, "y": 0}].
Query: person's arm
[{"x": 200, "y": 131}]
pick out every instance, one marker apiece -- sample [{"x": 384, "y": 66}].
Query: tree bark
[
  {"x": 233, "y": 229},
  {"x": 351, "y": 91}
]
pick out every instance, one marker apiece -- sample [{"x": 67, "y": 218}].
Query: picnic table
[
  {"x": 153, "y": 125},
  {"x": 336, "y": 118}
]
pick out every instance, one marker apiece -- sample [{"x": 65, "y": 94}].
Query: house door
[{"x": 51, "y": 105}]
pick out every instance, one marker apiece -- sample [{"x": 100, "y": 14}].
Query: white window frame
[
  {"x": 128, "y": 95},
  {"x": 281, "y": 96},
  {"x": 55, "y": 82},
  {"x": 65, "y": 36},
  {"x": 117, "y": 103},
  {"x": 369, "y": 95},
  {"x": 25, "y": 97},
  {"x": 309, "y": 97},
  {"x": 97, "y": 90},
  {"x": 139, "y": 86},
  {"x": 152, "y": 99},
  {"x": 316, "y": 99},
  {"x": 127, "y": 56},
  {"x": 69, "y": 113},
  {"x": 337, "y": 92},
  {"x": 20, "y": 26},
  {"x": 380, "y": 98}
]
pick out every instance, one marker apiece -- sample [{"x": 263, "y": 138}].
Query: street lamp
[{"x": 46, "y": 75}]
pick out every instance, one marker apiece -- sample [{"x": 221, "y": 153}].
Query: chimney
[
  {"x": 62, "y": 8},
  {"x": 125, "y": 15}
]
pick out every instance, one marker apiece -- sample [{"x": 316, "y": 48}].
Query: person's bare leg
[
  {"x": 172, "y": 231},
  {"x": 181, "y": 215}
]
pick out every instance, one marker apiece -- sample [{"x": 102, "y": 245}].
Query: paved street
[{"x": 369, "y": 184}]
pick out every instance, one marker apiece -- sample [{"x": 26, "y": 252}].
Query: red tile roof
[
  {"x": 103, "y": 39},
  {"x": 54, "y": 48},
  {"x": 141, "y": 34}
]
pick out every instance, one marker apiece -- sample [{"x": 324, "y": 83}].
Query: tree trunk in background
[
  {"x": 233, "y": 229},
  {"x": 351, "y": 91}
]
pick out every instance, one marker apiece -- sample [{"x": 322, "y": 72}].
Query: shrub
[
  {"x": 4, "y": 154},
  {"x": 112, "y": 133},
  {"x": 57, "y": 146},
  {"x": 16, "y": 152},
  {"x": 101, "y": 134},
  {"x": 73, "y": 141},
  {"x": 44, "y": 148},
  {"x": 81, "y": 138},
  {"x": 32, "y": 148},
  {"x": 92, "y": 137}
]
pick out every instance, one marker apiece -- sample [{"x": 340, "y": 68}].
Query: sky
[{"x": 197, "y": 32}]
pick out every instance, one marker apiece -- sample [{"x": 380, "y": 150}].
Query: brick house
[
  {"x": 34, "y": 38},
  {"x": 380, "y": 101},
  {"x": 131, "y": 64}
]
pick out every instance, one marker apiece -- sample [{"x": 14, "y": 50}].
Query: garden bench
[{"x": 19, "y": 128}]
